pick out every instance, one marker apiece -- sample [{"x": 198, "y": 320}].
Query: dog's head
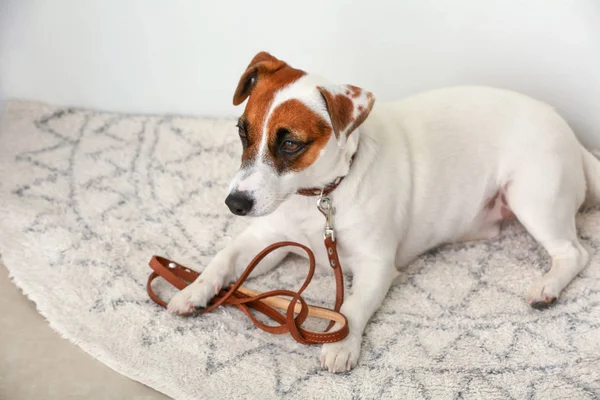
[{"x": 296, "y": 132}]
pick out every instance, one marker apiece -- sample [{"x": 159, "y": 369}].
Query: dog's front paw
[
  {"x": 543, "y": 293},
  {"x": 341, "y": 356},
  {"x": 195, "y": 296}
]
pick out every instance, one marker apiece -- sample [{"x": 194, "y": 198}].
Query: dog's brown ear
[
  {"x": 348, "y": 106},
  {"x": 261, "y": 65}
]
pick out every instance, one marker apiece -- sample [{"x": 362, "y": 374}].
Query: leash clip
[{"x": 325, "y": 205}]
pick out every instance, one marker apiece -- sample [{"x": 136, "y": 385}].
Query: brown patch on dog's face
[
  {"x": 296, "y": 133},
  {"x": 260, "y": 82},
  {"x": 296, "y": 136}
]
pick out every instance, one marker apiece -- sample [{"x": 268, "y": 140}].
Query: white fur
[{"x": 425, "y": 169}]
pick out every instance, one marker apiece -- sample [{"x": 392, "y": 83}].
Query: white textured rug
[{"x": 86, "y": 198}]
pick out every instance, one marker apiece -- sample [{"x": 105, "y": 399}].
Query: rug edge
[
  {"x": 96, "y": 353},
  {"x": 13, "y": 104}
]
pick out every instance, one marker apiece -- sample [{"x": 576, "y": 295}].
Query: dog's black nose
[{"x": 240, "y": 203}]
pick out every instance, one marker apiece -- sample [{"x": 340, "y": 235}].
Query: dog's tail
[{"x": 591, "y": 168}]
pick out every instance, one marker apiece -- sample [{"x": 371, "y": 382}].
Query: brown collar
[{"x": 324, "y": 191}]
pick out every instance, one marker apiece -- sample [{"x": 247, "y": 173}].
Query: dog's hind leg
[{"x": 545, "y": 199}]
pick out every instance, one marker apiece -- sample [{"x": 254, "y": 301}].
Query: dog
[{"x": 443, "y": 166}]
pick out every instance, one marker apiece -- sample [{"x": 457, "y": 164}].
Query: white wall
[{"x": 157, "y": 56}]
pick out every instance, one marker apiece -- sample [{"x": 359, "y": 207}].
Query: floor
[{"x": 36, "y": 363}]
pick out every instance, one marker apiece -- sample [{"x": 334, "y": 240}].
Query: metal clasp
[{"x": 325, "y": 205}]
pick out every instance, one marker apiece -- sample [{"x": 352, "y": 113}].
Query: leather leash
[{"x": 267, "y": 303}]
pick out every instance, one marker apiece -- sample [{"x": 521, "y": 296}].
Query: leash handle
[{"x": 268, "y": 303}]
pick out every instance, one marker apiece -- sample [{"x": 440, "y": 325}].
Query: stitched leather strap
[{"x": 268, "y": 303}]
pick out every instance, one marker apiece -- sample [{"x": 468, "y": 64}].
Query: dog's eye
[
  {"x": 290, "y": 146},
  {"x": 241, "y": 130}
]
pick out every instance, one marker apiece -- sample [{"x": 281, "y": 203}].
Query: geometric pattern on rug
[{"x": 88, "y": 197}]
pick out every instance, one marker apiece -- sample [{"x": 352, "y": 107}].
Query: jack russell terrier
[{"x": 443, "y": 166}]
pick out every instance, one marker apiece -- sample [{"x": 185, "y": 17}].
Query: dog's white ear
[
  {"x": 348, "y": 106},
  {"x": 261, "y": 65}
]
